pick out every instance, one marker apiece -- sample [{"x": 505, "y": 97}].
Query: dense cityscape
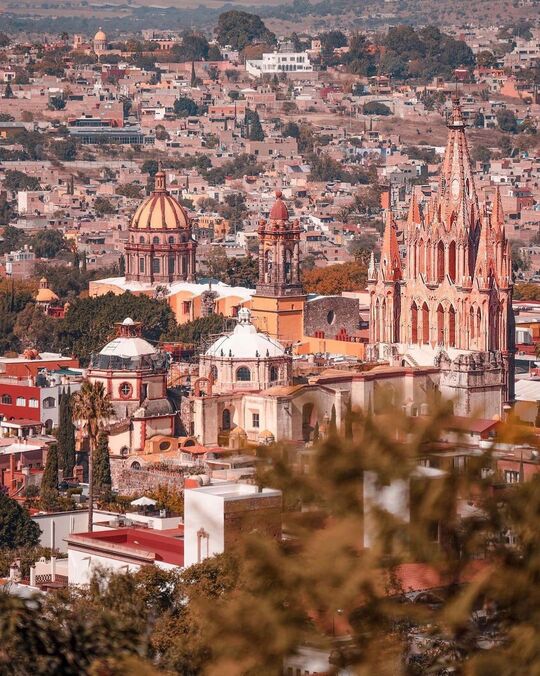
[{"x": 270, "y": 338}]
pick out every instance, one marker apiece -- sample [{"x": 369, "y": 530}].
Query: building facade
[{"x": 449, "y": 303}]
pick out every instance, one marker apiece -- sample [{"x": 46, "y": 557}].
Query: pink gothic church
[{"x": 448, "y": 304}]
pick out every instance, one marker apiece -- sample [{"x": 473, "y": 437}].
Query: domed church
[
  {"x": 134, "y": 374},
  {"x": 161, "y": 248}
]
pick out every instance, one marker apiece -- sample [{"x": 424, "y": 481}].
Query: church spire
[
  {"x": 414, "y": 217},
  {"x": 497, "y": 213},
  {"x": 458, "y": 200}
]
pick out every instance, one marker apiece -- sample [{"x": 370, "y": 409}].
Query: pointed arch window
[
  {"x": 452, "y": 261},
  {"x": 451, "y": 327},
  {"x": 414, "y": 323},
  {"x": 440, "y": 262},
  {"x": 472, "y": 324},
  {"x": 440, "y": 325},
  {"x": 425, "y": 324}
]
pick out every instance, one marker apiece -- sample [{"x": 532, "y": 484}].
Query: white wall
[
  {"x": 82, "y": 565},
  {"x": 393, "y": 498},
  {"x": 202, "y": 510},
  {"x": 57, "y": 526}
]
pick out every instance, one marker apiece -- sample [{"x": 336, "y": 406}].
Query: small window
[
  {"x": 165, "y": 446},
  {"x": 33, "y": 403},
  {"x": 255, "y": 420},
  {"x": 21, "y": 401},
  {"x": 6, "y": 399},
  {"x": 274, "y": 374},
  {"x": 141, "y": 239},
  {"x": 155, "y": 240},
  {"x": 141, "y": 264},
  {"x": 243, "y": 374},
  {"x": 125, "y": 390},
  {"x": 171, "y": 240},
  {"x": 331, "y": 317},
  {"x": 156, "y": 267},
  {"x": 49, "y": 402},
  {"x": 511, "y": 477}
]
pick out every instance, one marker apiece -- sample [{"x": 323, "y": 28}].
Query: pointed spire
[
  {"x": 372, "y": 272},
  {"x": 485, "y": 257},
  {"x": 497, "y": 213},
  {"x": 414, "y": 217},
  {"x": 390, "y": 259}
]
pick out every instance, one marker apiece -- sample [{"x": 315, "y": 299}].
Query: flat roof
[
  {"x": 149, "y": 545},
  {"x": 235, "y": 491}
]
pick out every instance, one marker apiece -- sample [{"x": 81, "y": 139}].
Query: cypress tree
[
  {"x": 49, "y": 481},
  {"x": 255, "y": 130},
  {"x": 102, "y": 465},
  {"x": 8, "y": 92},
  {"x": 332, "y": 427},
  {"x": 193, "y": 76},
  {"x": 66, "y": 435},
  {"x": 348, "y": 421}
]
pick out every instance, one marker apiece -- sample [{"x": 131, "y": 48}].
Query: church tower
[
  {"x": 278, "y": 305},
  {"x": 161, "y": 248},
  {"x": 452, "y": 296}
]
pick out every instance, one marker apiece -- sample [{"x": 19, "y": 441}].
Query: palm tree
[{"x": 91, "y": 409}]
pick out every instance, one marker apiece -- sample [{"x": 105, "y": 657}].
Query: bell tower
[{"x": 278, "y": 304}]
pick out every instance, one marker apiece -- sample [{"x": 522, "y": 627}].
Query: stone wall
[
  {"x": 332, "y": 316},
  {"x": 130, "y": 481}
]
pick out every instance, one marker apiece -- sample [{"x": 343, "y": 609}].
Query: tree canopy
[
  {"x": 239, "y": 29},
  {"x": 334, "y": 279},
  {"x": 16, "y": 527}
]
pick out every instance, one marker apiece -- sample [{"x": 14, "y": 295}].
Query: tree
[
  {"x": 192, "y": 332},
  {"x": 8, "y": 91},
  {"x": 255, "y": 131},
  {"x": 34, "y": 328},
  {"x": 17, "y": 180},
  {"x": 88, "y": 322},
  {"x": 507, "y": 121},
  {"x": 376, "y": 108},
  {"x": 239, "y": 29},
  {"x": 194, "y": 47},
  {"x": 102, "y": 206},
  {"x": 65, "y": 151},
  {"x": 92, "y": 408},
  {"x": 16, "y": 527},
  {"x": 334, "y": 279},
  {"x": 150, "y": 167},
  {"x": 49, "y": 481},
  {"x": 65, "y": 435},
  {"x": 185, "y": 107},
  {"x": 102, "y": 466},
  {"x": 48, "y": 243}
]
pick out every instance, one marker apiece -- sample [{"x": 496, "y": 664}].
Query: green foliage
[
  {"x": 507, "y": 121},
  {"x": 234, "y": 271},
  {"x": 65, "y": 150},
  {"x": 150, "y": 167},
  {"x": 17, "y": 180},
  {"x": 102, "y": 206},
  {"x": 130, "y": 190},
  {"x": 12, "y": 239},
  {"x": 48, "y": 243},
  {"x": 49, "y": 481},
  {"x": 376, "y": 108},
  {"x": 89, "y": 322},
  {"x": 185, "y": 107},
  {"x": 242, "y": 165},
  {"x": 16, "y": 527},
  {"x": 102, "y": 466},
  {"x": 65, "y": 435},
  {"x": 193, "y": 48},
  {"x": 324, "y": 168},
  {"x": 254, "y": 128},
  {"x": 14, "y": 297},
  {"x": 192, "y": 332},
  {"x": 239, "y": 29}
]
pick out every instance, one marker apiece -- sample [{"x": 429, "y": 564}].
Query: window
[
  {"x": 274, "y": 373},
  {"x": 156, "y": 266},
  {"x": 125, "y": 390},
  {"x": 171, "y": 239},
  {"x": 511, "y": 477},
  {"x": 171, "y": 265},
  {"x": 186, "y": 307},
  {"x": 141, "y": 264},
  {"x": 155, "y": 240},
  {"x": 6, "y": 399},
  {"x": 226, "y": 419},
  {"x": 21, "y": 401},
  {"x": 213, "y": 373},
  {"x": 243, "y": 374},
  {"x": 255, "y": 420},
  {"x": 49, "y": 402},
  {"x": 33, "y": 403}
]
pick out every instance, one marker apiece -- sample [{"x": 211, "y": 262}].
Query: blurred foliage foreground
[{"x": 246, "y": 611}]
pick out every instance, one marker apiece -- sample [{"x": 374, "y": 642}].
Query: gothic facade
[{"x": 449, "y": 302}]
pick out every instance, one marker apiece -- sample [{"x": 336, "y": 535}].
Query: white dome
[
  {"x": 245, "y": 342},
  {"x": 128, "y": 346}
]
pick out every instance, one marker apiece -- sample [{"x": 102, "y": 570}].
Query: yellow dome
[
  {"x": 45, "y": 296},
  {"x": 160, "y": 211},
  {"x": 100, "y": 36}
]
